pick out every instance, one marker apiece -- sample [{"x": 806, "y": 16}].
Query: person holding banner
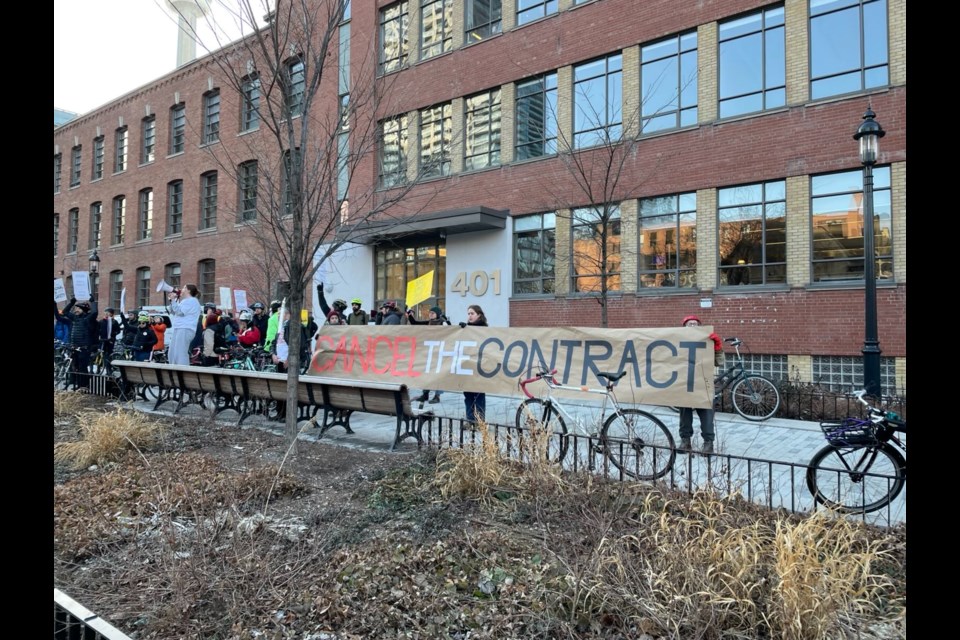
[
  {"x": 707, "y": 431},
  {"x": 474, "y": 403},
  {"x": 184, "y": 311}
]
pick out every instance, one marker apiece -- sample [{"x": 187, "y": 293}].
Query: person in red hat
[{"x": 706, "y": 416}]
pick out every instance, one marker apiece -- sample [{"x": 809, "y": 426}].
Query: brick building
[{"x": 737, "y": 192}]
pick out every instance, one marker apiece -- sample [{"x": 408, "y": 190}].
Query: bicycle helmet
[
  {"x": 690, "y": 318},
  {"x": 246, "y": 315},
  {"x": 356, "y": 301},
  {"x": 257, "y": 305}
]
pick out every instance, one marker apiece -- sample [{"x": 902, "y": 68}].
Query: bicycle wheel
[
  {"x": 638, "y": 444},
  {"x": 856, "y": 479},
  {"x": 530, "y": 419},
  {"x": 755, "y": 398}
]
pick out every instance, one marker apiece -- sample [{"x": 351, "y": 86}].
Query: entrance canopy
[{"x": 441, "y": 223}]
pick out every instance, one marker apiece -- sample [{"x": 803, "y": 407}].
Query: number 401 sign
[{"x": 476, "y": 283}]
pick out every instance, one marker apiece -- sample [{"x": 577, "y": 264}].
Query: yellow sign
[{"x": 420, "y": 289}]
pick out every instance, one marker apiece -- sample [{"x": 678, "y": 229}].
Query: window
[
  {"x": 56, "y": 233},
  {"x": 848, "y": 46},
  {"x": 143, "y": 287},
  {"x": 753, "y": 233},
  {"x": 394, "y": 39},
  {"x": 483, "y": 19},
  {"x": 119, "y": 215},
  {"x": 596, "y": 248},
  {"x": 530, "y": 10},
  {"x": 178, "y": 128},
  {"x": 145, "y": 217},
  {"x": 534, "y": 253},
  {"x": 668, "y": 83},
  {"x": 75, "y": 160},
  {"x": 836, "y": 203},
  {"x": 436, "y": 19},
  {"x": 393, "y": 152},
  {"x": 752, "y": 63},
  {"x": 120, "y": 162},
  {"x": 211, "y": 116},
  {"x": 116, "y": 288},
  {"x": 668, "y": 241},
  {"x": 537, "y": 117},
  {"x": 73, "y": 224},
  {"x": 295, "y": 80},
  {"x": 845, "y": 373},
  {"x": 97, "y": 158},
  {"x": 207, "y": 280},
  {"x": 250, "y": 110},
  {"x": 482, "y": 130},
  {"x": 208, "y": 200},
  {"x": 171, "y": 274},
  {"x": 57, "y": 170},
  {"x": 436, "y": 135},
  {"x": 175, "y": 207},
  {"x": 96, "y": 215},
  {"x": 292, "y": 180},
  {"x": 597, "y": 100},
  {"x": 148, "y": 133},
  {"x": 248, "y": 178}
]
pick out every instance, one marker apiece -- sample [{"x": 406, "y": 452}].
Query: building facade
[{"x": 562, "y": 162}]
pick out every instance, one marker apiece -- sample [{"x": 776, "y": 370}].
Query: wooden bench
[{"x": 238, "y": 390}]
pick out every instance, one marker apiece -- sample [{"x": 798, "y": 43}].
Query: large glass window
[
  {"x": 248, "y": 182},
  {"x": 393, "y": 151},
  {"x": 436, "y": 136},
  {"x": 178, "y": 127},
  {"x": 596, "y": 248},
  {"x": 97, "y": 158},
  {"x": 668, "y": 83},
  {"x": 120, "y": 160},
  {"x": 211, "y": 116},
  {"x": 96, "y": 222},
  {"x": 119, "y": 216},
  {"x": 597, "y": 101},
  {"x": 396, "y": 266},
  {"x": 296, "y": 86},
  {"x": 482, "y": 130},
  {"x": 207, "y": 280},
  {"x": 753, "y": 233},
  {"x": 143, "y": 287},
  {"x": 57, "y": 170},
  {"x": 73, "y": 230},
  {"x": 836, "y": 203},
  {"x": 668, "y": 241},
  {"x": 208, "y": 200},
  {"x": 394, "y": 39},
  {"x": 75, "y": 162},
  {"x": 530, "y": 10},
  {"x": 483, "y": 19},
  {"x": 145, "y": 217},
  {"x": 116, "y": 289},
  {"x": 175, "y": 207},
  {"x": 436, "y": 27},
  {"x": 752, "y": 63},
  {"x": 848, "y": 46},
  {"x": 148, "y": 134},
  {"x": 250, "y": 109},
  {"x": 536, "y": 120},
  {"x": 534, "y": 253}
]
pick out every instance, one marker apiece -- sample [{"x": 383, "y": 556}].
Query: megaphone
[{"x": 166, "y": 288}]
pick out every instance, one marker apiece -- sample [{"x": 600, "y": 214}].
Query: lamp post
[{"x": 868, "y": 134}]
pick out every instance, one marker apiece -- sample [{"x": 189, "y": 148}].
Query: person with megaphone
[{"x": 184, "y": 312}]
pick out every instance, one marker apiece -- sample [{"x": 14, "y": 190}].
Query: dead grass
[{"x": 106, "y": 437}]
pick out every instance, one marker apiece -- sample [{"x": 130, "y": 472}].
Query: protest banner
[{"x": 665, "y": 366}]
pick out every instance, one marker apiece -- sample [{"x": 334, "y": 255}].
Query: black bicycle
[{"x": 862, "y": 468}]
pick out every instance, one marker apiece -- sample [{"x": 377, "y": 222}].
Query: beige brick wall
[
  {"x": 631, "y": 92},
  {"x": 898, "y": 180},
  {"x": 706, "y": 238},
  {"x": 798, "y": 63},
  {"x": 707, "y": 87},
  {"x": 508, "y": 93},
  {"x": 562, "y": 267},
  {"x": 800, "y": 367},
  {"x": 897, "y": 21},
  {"x": 798, "y": 231},
  {"x": 629, "y": 229},
  {"x": 564, "y": 109},
  {"x": 458, "y": 122}
]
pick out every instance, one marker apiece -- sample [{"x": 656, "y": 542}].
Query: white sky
[{"x": 103, "y": 49}]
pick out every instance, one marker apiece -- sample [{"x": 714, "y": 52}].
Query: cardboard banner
[
  {"x": 419, "y": 289},
  {"x": 59, "y": 290},
  {"x": 670, "y": 366}
]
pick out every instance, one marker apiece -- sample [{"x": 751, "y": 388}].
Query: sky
[{"x": 103, "y": 49}]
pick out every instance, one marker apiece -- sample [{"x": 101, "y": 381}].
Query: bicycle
[
  {"x": 754, "y": 396},
  {"x": 636, "y": 442},
  {"x": 859, "y": 470}
]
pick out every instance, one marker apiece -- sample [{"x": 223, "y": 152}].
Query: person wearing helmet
[
  {"x": 144, "y": 338},
  {"x": 706, "y": 416},
  {"x": 249, "y": 333},
  {"x": 339, "y": 305},
  {"x": 358, "y": 316}
]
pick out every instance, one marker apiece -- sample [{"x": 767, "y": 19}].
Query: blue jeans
[{"x": 475, "y": 404}]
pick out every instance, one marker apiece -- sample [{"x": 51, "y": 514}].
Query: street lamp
[{"x": 868, "y": 134}]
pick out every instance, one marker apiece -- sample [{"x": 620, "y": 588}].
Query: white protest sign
[
  {"x": 81, "y": 285},
  {"x": 59, "y": 291},
  {"x": 241, "y": 297},
  {"x": 225, "y": 298}
]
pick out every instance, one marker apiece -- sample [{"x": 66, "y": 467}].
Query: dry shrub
[
  {"x": 66, "y": 404},
  {"x": 106, "y": 437}
]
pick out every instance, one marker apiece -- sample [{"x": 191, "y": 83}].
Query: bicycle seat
[{"x": 612, "y": 377}]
